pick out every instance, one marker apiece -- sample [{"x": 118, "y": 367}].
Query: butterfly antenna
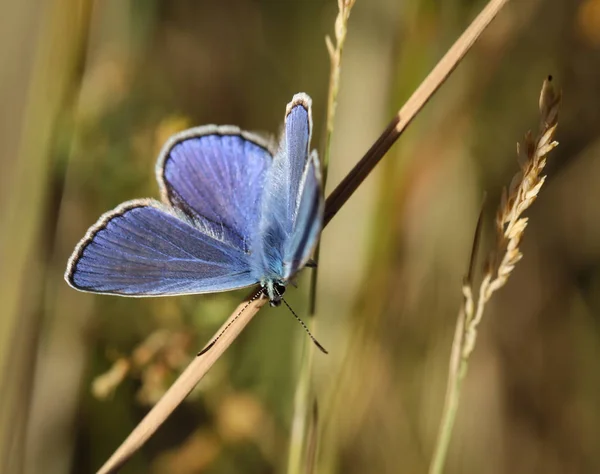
[
  {"x": 212, "y": 343},
  {"x": 323, "y": 350}
]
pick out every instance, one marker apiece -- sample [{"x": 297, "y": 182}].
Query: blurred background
[{"x": 90, "y": 90}]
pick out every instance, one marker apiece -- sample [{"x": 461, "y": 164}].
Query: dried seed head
[{"x": 524, "y": 187}]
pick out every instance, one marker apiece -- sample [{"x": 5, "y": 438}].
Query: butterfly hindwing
[
  {"x": 216, "y": 174},
  {"x": 143, "y": 248}
]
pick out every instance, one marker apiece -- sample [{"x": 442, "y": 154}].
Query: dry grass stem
[
  {"x": 303, "y": 434},
  {"x": 180, "y": 389},
  {"x": 510, "y": 228},
  {"x": 200, "y": 365},
  {"x": 335, "y": 58},
  {"x": 409, "y": 111}
]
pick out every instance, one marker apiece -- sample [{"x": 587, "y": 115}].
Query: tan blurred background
[{"x": 88, "y": 93}]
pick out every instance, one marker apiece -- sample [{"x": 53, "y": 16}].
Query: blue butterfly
[{"x": 234, "y": 214}]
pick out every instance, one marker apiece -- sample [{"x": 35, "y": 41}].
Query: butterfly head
[{"x": 274, "y": 289}]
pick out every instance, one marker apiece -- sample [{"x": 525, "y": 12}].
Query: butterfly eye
[{"x": 280, "y": 289}]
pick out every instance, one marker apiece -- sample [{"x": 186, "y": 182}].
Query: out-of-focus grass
[
  {"x": 29, "y": 199},
  {"x": 391, "y": 261}
]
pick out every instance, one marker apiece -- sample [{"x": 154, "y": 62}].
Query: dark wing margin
[
  {"x": 216, "y": 174},
  {"x": 144, "y": 248}
]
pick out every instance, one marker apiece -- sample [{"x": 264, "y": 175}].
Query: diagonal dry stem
[
  {"x": 409, "y": 111},
  {"x": 184, "y": 384},
  {"x": 200, "y": 366}
]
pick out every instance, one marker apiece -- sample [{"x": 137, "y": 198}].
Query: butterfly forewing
[
  {"x": 284, "y": 241},
  {"x": 143, "y": 249},
  {"x": 216, "y": 174},
  {"x": 298, "y": 130},
  {"x": 214, "y": 179}
]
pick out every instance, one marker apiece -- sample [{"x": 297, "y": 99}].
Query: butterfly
[{"x": 234, "y": 213}]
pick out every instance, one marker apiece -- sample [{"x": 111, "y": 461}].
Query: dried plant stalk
[
  {"x": 510, "y": 227},
  {"x": 335, "y": 58},
  {"x": 184, "y": 384},
  {"x": 411, "y": 108},
  {"x": 302, "y": 451}
]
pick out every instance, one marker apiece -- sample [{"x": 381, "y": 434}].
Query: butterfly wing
[
  {"x": 298, "y": 130},
  {"x": 144, "y": 248},
  {"x": 292, "y": 203},
  {"x": 216, "y": 175},
  {"x": 309, "y": 219}
]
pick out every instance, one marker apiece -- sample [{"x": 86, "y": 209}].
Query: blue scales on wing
[
  {"x": 216, "y": 174},
  {"x": 213, "y": 177},
  {"x": 142, "y": 248}
]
